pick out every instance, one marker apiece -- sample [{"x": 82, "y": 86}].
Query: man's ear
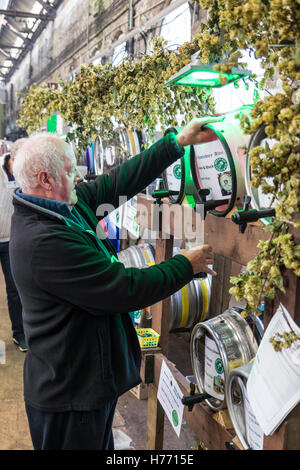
[{"x": 44, "y": 181}]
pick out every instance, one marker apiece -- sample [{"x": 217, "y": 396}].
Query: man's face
[{"x": 70, "y": 175}]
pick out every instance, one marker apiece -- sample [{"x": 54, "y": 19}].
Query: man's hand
[
  {"x": 200, "y": 257},
  {"x": 193, "y": 133}
]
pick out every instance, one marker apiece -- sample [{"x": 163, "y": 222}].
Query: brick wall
[{"x": 76, "y": 35}]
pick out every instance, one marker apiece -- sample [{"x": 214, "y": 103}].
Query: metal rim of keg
[
  {"x": 208, "y": 327},
  {"x": 89, "y": 158},
  {"x": 204, "y": 298},
  {"x": 112, "y": 144},
  {"x": 233, "y": 195},
  {"x": 179, "y": 198},
  {"x": 135, "y": 141},
  {"x": 255, "y": 140},
  {"x": 141, "y": 255},
  {"x": 98, "y": 156},
  {"x": 254, "y": 321},
  {"x": 237, "y": 409},
  {"x": 134, "y": 256}
]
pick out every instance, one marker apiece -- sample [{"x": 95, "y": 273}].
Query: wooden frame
[{"x": 230, "y": 248}]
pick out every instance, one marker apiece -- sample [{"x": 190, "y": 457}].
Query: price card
[
  {"x": 130, "y": 217},
  {"x": 169, "y": 395}
]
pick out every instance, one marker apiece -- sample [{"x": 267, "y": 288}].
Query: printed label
[
  {"x": 213, "y": 370},
  {"x": 212, "y": 162},
  {"x": 173, "y": 174}
]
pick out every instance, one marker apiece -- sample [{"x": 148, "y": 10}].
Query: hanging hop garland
[
  {"x": 136, "y": 96},
  {"x": 270, "y": 29}
]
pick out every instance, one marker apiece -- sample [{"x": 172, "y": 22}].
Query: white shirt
[{"x": 6, "y": 207}]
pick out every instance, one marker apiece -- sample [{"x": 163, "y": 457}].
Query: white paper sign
[
  {"x": 116, "y": 217},
  {"x": 213, "y": 370},
  {"x": 273, "y": 385},
  {"x": 169, "y": 395},
  {"x": 130, "y": 217},
  {"x": 254, "y": 433}
]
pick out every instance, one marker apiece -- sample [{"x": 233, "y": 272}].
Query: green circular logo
[
  {"x": 177, "y": 171},
  {"x": 137, "y": 314},
  {"x": 220, "y": 164},
  {"x": 219, "y": 366},
  {"x": 175, "y": 418}
]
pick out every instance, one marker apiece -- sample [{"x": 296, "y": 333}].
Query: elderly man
[{"x": 83, "y": 349}]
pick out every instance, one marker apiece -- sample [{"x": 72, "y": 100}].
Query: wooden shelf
[{"x": 229, "y": 247}]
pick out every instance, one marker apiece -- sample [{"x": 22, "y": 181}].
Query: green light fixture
[{"x": 202, "y": 75}]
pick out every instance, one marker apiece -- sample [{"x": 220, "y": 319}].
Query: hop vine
[{"x": 135, "y": 95}]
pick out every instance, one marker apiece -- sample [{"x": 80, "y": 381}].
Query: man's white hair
[
  {"x": 16, "y": 145},
  {"x": 41, "y": 152}
]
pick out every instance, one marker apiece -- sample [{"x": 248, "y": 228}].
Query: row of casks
[
  {"x": 103, "y": 155},
  {"x": 190, "y": 304},
  {"x": 222, "y": 351},
  {"x": 220, "y": 166}
]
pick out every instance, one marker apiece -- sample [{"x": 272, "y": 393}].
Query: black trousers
[
  {"x": 13, "y": 299},
  {"x": 72, "y": 430}
]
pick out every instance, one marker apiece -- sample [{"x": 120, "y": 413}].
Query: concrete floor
[{"x": 131, "y": 415}]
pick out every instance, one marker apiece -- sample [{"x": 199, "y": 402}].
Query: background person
[
  {"x": 83, "y": 348},
  {"x": 7, "y": 187}
]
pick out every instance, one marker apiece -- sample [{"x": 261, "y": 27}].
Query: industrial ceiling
[{"x": 21, "y": 23}]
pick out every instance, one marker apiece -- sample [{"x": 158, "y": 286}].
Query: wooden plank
[
  {"x": 220, "y": 296},
  {"x": 226, "y": 240},
  {"x": 278, "y": 440},
  {"x": 147, "y": 366},
  {"x": 161, "y": 310},
  {"x": 178, "y": 220},
  {"x": 155, "y": 421}
]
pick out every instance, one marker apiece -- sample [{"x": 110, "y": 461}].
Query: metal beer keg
[
  {"x": 244, "y": 422},
  {"x": 98, "y": 156},
  {"x": 219, "y": 345}
]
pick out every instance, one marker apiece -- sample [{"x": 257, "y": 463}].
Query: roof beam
[
  {"x": 7, "y": 46},
  {"x": 27, "y": 14},
  {"x": 49, "y": 8},
  {"x": 13, "y": 30},
  {"x": 29, "y": 42},
  {"x": 7, "y": 56}
]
